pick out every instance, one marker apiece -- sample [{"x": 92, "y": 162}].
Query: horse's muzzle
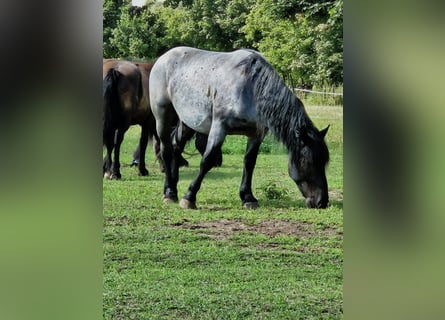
[{"x": 311, "y": 202}]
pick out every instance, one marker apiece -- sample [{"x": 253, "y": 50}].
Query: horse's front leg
[
  {"x": 213, "y": 149},
  {"x": 164, "y": 129},
  {"x": 245, "y": 193},
  {"x": 142, "y": 148},
  {"x": 171, "y": 172}
]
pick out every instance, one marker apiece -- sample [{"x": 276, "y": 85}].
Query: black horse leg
[
  {"x": 214, "y": 143},
  {"x": 142, "y": 148},
  {"x": 200, "y": 145},
  {"x": 245, "y": 193},
  {"x": 181, "y": 135},
  {"x": 108, "y": 162},
  {"x": 136, "y": 156},
  {"x": 108, "y": 139},
  {"x": 171, "y": 173},
  {"x": 157, "y": 152},
  {"x": 119, "y": 137},
  {"x": 164, "y": 129}
]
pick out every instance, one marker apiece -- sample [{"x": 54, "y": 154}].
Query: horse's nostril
[{"x": 310, "y": 203}]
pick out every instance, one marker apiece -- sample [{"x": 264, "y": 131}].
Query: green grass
[{"x": 281, "y": 261}]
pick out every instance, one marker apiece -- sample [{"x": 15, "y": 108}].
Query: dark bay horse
[
  {"x": 234, "y": 93},
  {"x": 126, "y": 102}
]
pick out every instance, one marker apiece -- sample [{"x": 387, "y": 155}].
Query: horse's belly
[
  {"x": 199, "y": 119},
  {"x": 195, "y": 113}
]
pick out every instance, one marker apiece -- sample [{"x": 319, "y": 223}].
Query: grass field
[{"x": 281, "y": 261}]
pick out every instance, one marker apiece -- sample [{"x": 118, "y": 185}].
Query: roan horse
[
  {"x": 126, "y": 102},
  {"x": 234, "y": 93}
]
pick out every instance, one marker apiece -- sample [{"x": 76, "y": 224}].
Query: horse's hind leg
[
  {"x": 200, "y": 145},
  {"x": 119, "y": 137},
  {"x": 214, "y": 143},
  {"x": 109, "y": 144},
  {"x": 245, "y": 193},
  {"x": 143, "y": 147}
]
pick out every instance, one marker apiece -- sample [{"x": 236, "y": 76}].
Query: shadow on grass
[
  {"x": 215, "y": 205},
  {"x": 300, "y": 203}
]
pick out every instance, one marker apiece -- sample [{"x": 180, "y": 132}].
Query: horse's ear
[{"x": 324, "y": 131}]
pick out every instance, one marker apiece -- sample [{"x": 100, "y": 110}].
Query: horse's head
[{"x": 307, "y": 167}]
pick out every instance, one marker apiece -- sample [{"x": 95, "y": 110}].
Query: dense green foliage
[{"x": 303, "y": 39}]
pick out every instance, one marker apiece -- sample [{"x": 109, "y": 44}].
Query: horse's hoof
[
  {"x": 169, "y": 200},
  {"x": 186, "y": 204},
  {"x": 143, "y": 172},
  {"x": 250, "y": 205},
  {"x": 115, "y": 176},
  {"x": 107, "y": 175}
]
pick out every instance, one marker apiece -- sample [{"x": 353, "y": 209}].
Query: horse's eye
[
  {"x": 304, "y": 163},
  {"x": 305, "y": 158}
]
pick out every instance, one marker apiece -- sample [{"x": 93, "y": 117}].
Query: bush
[{"x": 274, "y": 191}]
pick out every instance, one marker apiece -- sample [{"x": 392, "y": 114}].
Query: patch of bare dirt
[{"x": 222, "y": 229}]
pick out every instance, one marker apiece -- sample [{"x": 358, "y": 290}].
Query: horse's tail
[{"x": 111, "y": 102}]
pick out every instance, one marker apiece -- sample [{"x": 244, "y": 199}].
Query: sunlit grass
[{"x": 161, "y": 262}]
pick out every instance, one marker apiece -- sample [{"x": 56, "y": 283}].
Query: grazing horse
[
  {"x": 200, "y": 139},
  {"x": 218, "y": 94},
  {"x": 126, "y": 102}
]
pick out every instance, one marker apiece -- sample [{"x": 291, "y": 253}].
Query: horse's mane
[{"x": 279, "y": 109}]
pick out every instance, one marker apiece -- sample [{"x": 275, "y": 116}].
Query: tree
[
  {"x": 179, "y": 27},
  {"x": 232, "y": 22},
  {"x": 303, "y": 42},
  {"x": 111, "y": 15},
  {"x": 178, "y": 3},
  {"x": 138, "y": 33},
  {"x": 303, "y": 39}
]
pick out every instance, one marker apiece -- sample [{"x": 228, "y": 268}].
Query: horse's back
[
  {"x": 131, "y": 75},
  {"x": 196, "y": 67},
  {"x": 128, "y": 83},
  {"x": 200, "y": 83},
  {"x": 126, "y": 68}
]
